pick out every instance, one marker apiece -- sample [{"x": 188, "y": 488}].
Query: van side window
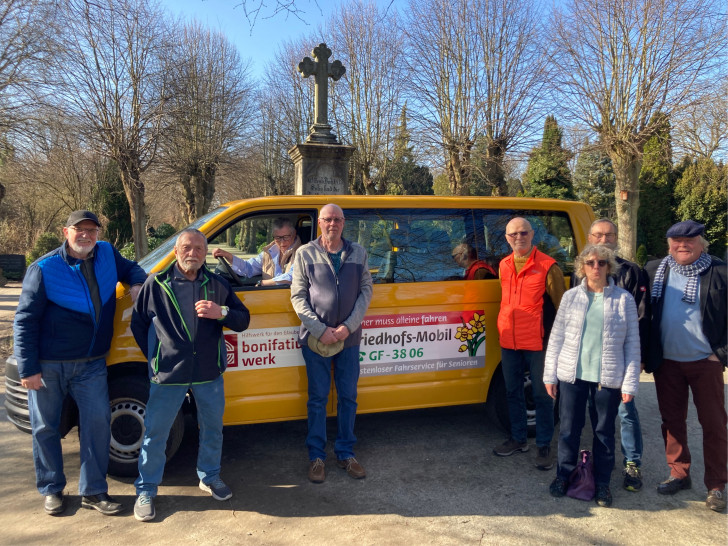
[
  {"x": 412, "y": 245},
  {"x": 553, "y": 234},
  {"x": 246, "y": 238}
]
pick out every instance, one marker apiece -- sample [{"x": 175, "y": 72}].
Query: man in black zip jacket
[
  {"x": 634, "y": 280},
  {"x": 177, "y": 322}
]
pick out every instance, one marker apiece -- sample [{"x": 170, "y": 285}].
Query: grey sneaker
[
  {"x": 144, "y": 508},
  {"x": 544, "y": 461},
  {"x": 509, "y": 447},
  {"x": 217, "y": 489}
]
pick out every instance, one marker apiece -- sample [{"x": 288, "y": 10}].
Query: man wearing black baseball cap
[
  {"x": 688, "y": 346},
  {"x": 62, "y": 332}
]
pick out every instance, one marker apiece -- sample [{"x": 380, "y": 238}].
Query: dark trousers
[
  {"x": 572, "y": 414},
  {"x": 705, "y": 379}
]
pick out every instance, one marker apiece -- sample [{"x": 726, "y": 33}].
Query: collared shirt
[
  {"x": 681, "y": 328},
  {"x": 254, "y": 266}
]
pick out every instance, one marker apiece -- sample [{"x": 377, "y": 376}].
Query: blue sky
[{"x": 260, "y": 42}]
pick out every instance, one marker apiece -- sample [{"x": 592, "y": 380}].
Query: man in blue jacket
[
  {"x": 177, "y": 322},
  {"x": 63, "y": 330}
]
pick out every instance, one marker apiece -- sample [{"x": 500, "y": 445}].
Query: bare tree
[
  {"x": 368, "y": 105},
  {"x": 702, "y": 131},
  {"x": 26, "y": 28},
  {"x": 112, "y": 79},
  {"x": 210, "y": 107},
  {"x": 476, "y": 71},
  {"x": 620, "y": 62},
  {"x": 25, "y": 44}
]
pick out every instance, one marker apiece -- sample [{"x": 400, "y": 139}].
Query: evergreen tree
[
  {"x": 547, "y": 173},
  {"x": 655, "y": 214},
  {"x": 402, "y": 175},
  {"x": 594, "y": 181},
  {"x": 113, "y": 204},
  {"x": 701, "y": 193}
]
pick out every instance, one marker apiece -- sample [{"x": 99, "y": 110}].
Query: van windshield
[{"x": 148, "y": 262}]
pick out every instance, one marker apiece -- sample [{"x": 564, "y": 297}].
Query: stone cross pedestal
[{"x": 321, "y": 163}]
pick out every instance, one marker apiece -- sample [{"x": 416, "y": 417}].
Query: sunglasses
[
  {"x": 600, "y": 263},
  {"x": 517, "y": 233}
]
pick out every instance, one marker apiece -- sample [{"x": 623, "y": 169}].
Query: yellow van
[{"x": 429, "y": 337}]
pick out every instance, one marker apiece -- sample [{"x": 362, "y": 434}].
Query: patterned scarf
[{"x": 691, "y": 271}]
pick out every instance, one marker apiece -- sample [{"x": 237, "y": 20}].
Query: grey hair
[
  {"x": 191, "y": 231},
  {"x": 281, "y": 222},
  {"x": 602, "y": 253},
  {"x": 601, "y": 221}
]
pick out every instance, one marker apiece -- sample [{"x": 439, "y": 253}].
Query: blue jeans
[
  {"x": 162, "y": 407},
  {"x": 86, "y": 382},
  {"x": 346, "y": 377},
  {"x": 515, "y": 363},
  {"x": 631, "y": 432},
  {"x": 572, "y": 414}
]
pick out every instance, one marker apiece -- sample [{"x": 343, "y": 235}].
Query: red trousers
[{"x": 705, "y": 379}]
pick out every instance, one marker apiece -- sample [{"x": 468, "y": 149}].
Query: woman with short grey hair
[{"x": 593, "y": 351}]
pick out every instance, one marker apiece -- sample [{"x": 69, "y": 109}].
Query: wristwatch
[{"x": 224, "y": 310}]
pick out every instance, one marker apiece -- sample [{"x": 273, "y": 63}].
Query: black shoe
[
  {"x": 632, "y": 477},
  {"x": 672, "y": 485},
  {"x": 55, "y": 504},
  {"x": 103, "y": 503},
  {"x": 558, "y": 487},
  {"x": 603, "y": 496}
]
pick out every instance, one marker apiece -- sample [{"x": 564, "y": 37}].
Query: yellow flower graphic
[{"x": 472, "y": 333}]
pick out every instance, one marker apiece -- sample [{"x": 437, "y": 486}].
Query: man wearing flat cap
[
  {"x": 62, "y": 332},
  {"x": 688, "y": 345}
]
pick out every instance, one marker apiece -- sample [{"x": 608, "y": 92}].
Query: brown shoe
[
  {"x": 353, "y": 468},
  {"x": 317, "y": 471},
  {"x": 716, "y": 500}
]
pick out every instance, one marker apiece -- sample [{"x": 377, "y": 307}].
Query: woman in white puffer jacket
[{"x": 593, "y": 351}]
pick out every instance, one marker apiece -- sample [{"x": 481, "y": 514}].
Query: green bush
[
  {"x": 128, "y": 249},
  {"x": 164, "y": 232},
  {"x": 641, "y": 255},
  {"x": 44, "y": 244}
]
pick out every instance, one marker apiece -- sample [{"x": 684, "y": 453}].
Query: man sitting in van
[
  {"x": 475, "y": 269},
  {"x": 275, "y": 262}
]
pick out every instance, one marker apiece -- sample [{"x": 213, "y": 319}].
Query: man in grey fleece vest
[{"x": 330, "y": 293}]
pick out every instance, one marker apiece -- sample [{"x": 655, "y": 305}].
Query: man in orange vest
[{"x": 532, "y": 285}]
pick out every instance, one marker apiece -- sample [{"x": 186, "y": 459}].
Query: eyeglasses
[
  {"x": 600, "y": 263},
  {"x": 332, "y": 220},
  {"x": 90, "y": 231},
  {"x": 282, "y": 238},
  {"x": 598, "y": 235},
  {"x": 517, "y": 233}
]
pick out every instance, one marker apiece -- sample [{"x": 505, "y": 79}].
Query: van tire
[
  {"x": 128, "y": 396},
  {"x": 497, "y": 404}
]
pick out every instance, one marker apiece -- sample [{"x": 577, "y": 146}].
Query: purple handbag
[{"x": 581, "y": 481}]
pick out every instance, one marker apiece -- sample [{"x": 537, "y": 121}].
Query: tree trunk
[
  {"x": 134, "y": 189},
  {"x": 626, "y": 165}
]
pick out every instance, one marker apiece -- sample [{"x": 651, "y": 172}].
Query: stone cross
[{"x": 322, "y": 70}]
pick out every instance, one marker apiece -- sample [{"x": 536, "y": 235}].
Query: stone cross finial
[{"x": 322, "y": 70}]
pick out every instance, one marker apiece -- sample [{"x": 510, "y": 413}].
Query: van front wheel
[{"x": 128, "y": 397}]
